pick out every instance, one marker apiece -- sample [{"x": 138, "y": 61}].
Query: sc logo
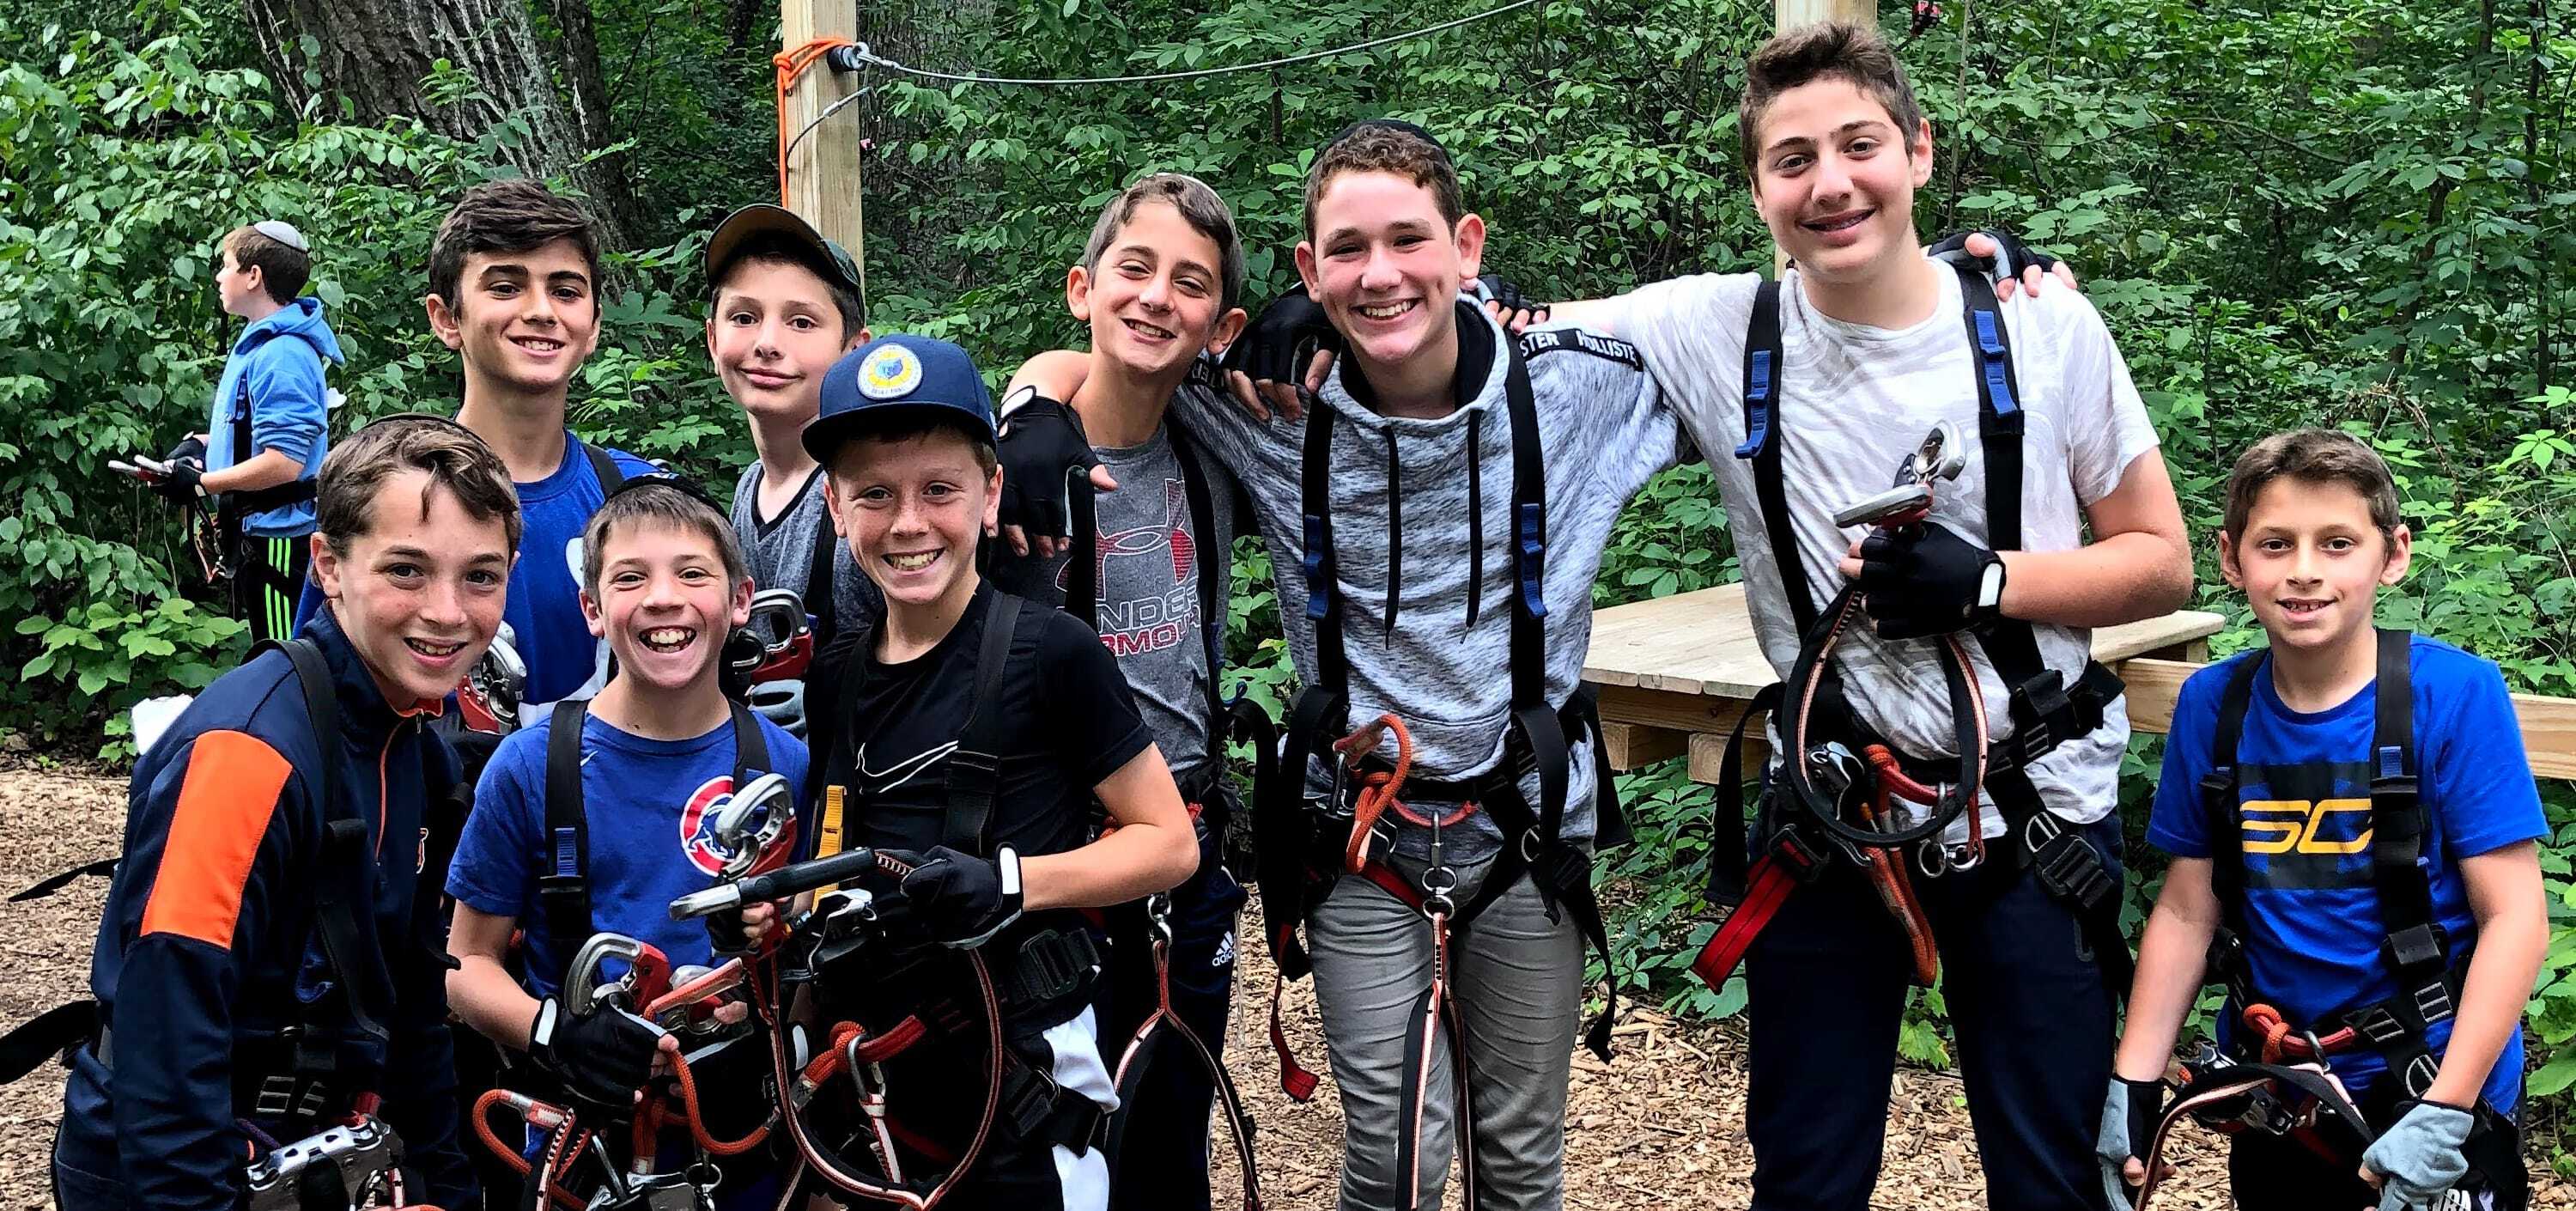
[{"x": 2321, "y": 826}]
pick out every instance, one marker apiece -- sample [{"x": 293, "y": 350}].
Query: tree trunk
[{"x": 377, "y": 53}]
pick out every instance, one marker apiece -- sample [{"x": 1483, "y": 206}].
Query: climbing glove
[
  {"x": 1926, "y": 580},
  {"x": 1495, "y": 290},
  {"x": 1042, "y": 450},
  {"x": 180, "y": 483},
  {"x": 2420, "y": 1156},
  {"x": 958, "y": 899},
  {"x": 602, "y": 1056},
  {"x": 1280, "y": 341},
  {"x": 2012, "y": 256},
  {"x": 2129, "y": 1119}
]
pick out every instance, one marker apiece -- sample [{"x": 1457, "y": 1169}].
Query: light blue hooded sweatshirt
[{"x": 275, "y": 377}]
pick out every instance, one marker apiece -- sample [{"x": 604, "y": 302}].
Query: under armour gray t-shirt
[
  {"x": 1148, "y": 611},
  {"x": 780, "y": 550}
]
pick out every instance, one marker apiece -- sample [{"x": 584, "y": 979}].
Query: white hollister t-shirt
[{"x": 1853, "y": 401}]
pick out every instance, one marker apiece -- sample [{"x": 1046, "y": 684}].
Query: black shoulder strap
[
  {"x": 822, "y": 600},
  {"x": 347, "y": 860},
  {"x": 2218, "y": 791},
  {"x": 564, "y": 887},
  {"x": 604, "y": 466},
  {"x": 1763, "y": 442},
  {"x": 750, "y": 747},
  {"x": 1537, "y": 721},
  {"x": 1082, "y": 560},
  {"x": 2397, "y": 821},
  {"x": 1216, "y": 577},
  {"x": 975, "y": 768}
]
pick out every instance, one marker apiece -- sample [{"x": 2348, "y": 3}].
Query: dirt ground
[{"x": 1661, "y": 1126}]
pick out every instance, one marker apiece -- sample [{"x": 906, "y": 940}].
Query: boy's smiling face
[
  {"x": 1156, "y": 297},
  {"x": 1835, "y": 178},
  {"x": 912, "y": 510},
  {"x": 664, "y": 603},
  {"x": 1385, "y": 265},
  {"x": 522, "y": 319},
  {"x": 2311, "y": 562},
  {"x": 419, "y": 594},
  {"x": 774, "y": 332}
]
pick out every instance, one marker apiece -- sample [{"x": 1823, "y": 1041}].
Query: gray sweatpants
[{"x": 1519, "y": 992}]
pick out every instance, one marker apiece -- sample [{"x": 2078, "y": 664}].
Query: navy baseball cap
[{"x": 899, "y": 376}]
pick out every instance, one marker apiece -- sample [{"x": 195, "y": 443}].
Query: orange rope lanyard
[{"x": 792, "y": 65}]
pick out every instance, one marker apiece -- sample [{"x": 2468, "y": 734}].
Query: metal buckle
[
  {"x": 2433, "y": 1002},
  {"x": 2419, "y": 1074},
  {"x": 276, "y": 1097},
  {"x": 2378, "y": 1025},
  {"x": 1437, "y": 882}
]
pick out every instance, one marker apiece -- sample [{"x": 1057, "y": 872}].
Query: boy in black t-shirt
[{"x": 905, "y": 432}]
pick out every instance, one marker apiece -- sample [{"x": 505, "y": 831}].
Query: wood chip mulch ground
[{"x": 1659, "y": 1127}]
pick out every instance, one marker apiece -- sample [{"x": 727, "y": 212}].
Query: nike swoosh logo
[{"x": 908, "y": 768}]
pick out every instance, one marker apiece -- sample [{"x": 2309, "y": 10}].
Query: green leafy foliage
[{"x": 2353, "y": 214}]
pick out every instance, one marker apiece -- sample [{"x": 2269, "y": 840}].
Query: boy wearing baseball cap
[
  {"x": 967, "y": 734},
  {"x": 782, "y": 304}
]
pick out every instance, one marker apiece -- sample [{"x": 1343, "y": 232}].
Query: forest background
[{"x": 2348, "y": 212}]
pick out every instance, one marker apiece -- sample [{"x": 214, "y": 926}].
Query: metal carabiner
[
  {"x": 750, "y": 822},
  {"x": 1158, "y": 917}
]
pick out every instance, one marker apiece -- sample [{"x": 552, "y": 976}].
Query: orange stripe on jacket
[{"x": 225, "y": 804}]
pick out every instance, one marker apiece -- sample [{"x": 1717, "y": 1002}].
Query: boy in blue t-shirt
[
  {"x": 664, "y": 584},
  {"x": 2312, "y": 532},
  {"x": 514, "y": 283}
]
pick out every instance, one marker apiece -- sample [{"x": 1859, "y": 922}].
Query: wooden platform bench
[{"x": 1675, "y": 673}]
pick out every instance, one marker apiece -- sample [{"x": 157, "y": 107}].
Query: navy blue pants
[
  {"x": 1827, "y": 981},
  {"x": 1163, "y": 1156}
]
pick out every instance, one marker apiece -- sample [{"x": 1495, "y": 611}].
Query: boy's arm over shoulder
[
  {"x": 1627, "y": 433},
  {"x": 495, "y": 867},
  {"x": 208, "y": 865},
  {"x": 2179, "y": 823},
  {"x": 2480, "y": 776},
  {"x": 1085, "y": 699},
  {"x": 1684, "y": 325}
]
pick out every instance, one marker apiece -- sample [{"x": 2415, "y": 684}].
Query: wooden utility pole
[
  {"x": 823, "y": 171},
  {"x": 1790, "y": 14}
]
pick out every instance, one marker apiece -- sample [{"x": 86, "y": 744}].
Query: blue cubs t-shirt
[
  {"x": 2312, "y": 919},
  {"x": 543, "y": 607},
  {"x": 648, "y": 805}
]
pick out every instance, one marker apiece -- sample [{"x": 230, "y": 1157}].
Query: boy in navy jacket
[{"x": 265, "y": 963}]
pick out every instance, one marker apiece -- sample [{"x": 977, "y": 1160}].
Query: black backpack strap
[
  {"x": 750, "y": 747},
  {"x": 1216, "y": 576},
  {"x": 2218, "y": 795},
  {"x": 975, "y": 768},
  {"x": 1535, "y": 721},
  {"x": 1764, "y": 440},
  {"x": 1317, "y": 715},
  {"x": 822, "y": 600},
  {"x": 1082, "y": 560},
  {"x": 564, "y": 886},
  {"x": 347, "y": 860},
  {"x": 2416, "y": 948},
  {"x": 603, "y": 465}
]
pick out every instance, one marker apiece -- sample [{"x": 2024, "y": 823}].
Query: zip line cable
[
  {"x": 843, "y": 55},
  {"x": 862, "y": 54}
]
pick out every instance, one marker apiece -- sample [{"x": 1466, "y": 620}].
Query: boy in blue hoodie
[{"x": 268, "y": 427}]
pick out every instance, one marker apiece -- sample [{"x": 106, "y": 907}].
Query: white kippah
[{"x": 283, "y": 233}]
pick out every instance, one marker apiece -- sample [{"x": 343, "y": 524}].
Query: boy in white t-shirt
[{"x": 1859, "y": 351}]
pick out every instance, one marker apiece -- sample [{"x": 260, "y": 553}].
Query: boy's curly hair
[
  {"x": 512, "y": 215},
  {"x": 2314, "y": 456},
  {"x": 1828, "y": 50}
]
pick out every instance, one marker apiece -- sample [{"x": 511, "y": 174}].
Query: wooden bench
[{"x": 1675, "y": 673}]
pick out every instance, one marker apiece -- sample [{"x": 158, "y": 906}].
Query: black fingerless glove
[
  {"x": 2012, "y": 256},
  {"x": 1926, "y": 580},
  {"x": 1042, "y": 449},
  {"x": 959, "y": 899},
  {"x": 601, "y": 1057},
  {"x": 1497, "y": 289},
  {"x": 1279, "y": 342}
]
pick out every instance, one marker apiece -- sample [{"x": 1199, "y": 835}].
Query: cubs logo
[
  {"x": 698, "y": 826},
  {"x": 889, "y": 373}
]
